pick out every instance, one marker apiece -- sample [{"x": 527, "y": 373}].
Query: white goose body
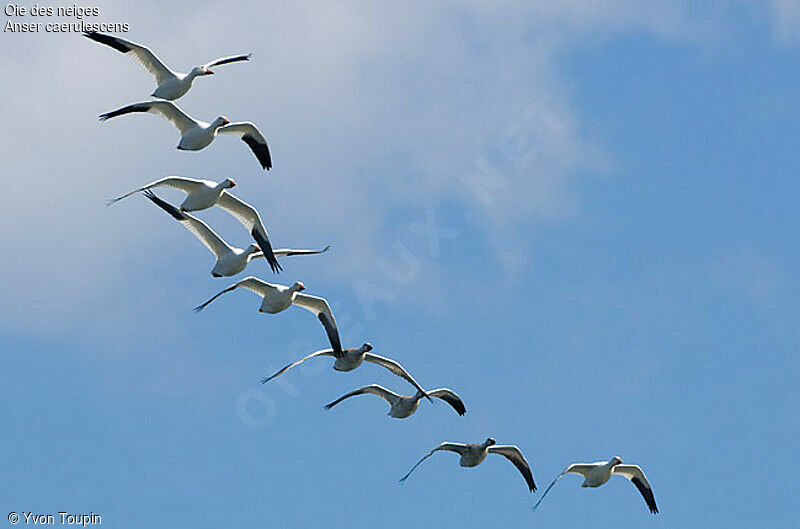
[
  {"x": 277, "y": 298},
  {"x": 205, "y": 197},
  {"x": 171, "y": 84},
  {"x": 402, "y": 406},
  {"x": 204, "y": 194},
  {"x": 280, "y": 298},
  {"x": 405, "y": 406},
  {"x": 234, "y": 262},
  {"x": 598, "y": 473},
  {"x": 200, "y": 194},
  {"x": 350, "y": 358},
  {"x": 176, "y": 86},
  {"x": 196, "y": 134},
  {"x": 230, "y": 260},
  {"x": 200, "y": 136},
  {"x": 472, "y": 455}
]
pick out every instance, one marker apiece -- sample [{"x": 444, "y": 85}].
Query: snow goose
[
  {"x": 403, "y": 406},
  {"x": 230, "y": 260},
  {"x": 171, "y": 85},
  {"x": 598, "y": 473},
  {"x": 352, "y": 357},
  {"x": 197, "y": 135},
  {"x": 200, "y": 194},
  {"x": 277, "y": 298},
  {"x": 473, "y": 455},
  {"x": 203, "y": 194}
]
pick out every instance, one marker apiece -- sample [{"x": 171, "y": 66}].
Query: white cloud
[
  {"x": 369, "y": 108},
  {"x": 786, "y": 20}
]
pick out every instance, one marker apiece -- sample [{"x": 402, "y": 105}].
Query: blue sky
[{"x": 583, "y": 220}]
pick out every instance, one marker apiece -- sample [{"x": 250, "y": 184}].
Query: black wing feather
[
  {"x": 333, "y": 334},
  {"x": 266, "y": 249},
  {"x": 108, "y": 40},
  {"x": 647, "y": 494},
  {"x": 526, "y": 473},
  {"x": 166, "y": 206},
  {"x": 261, "y": 150},
  {"x": 456, "y": 403},
  {"x": 137, "y": 107},
  {"x": 229, "y": 60}
]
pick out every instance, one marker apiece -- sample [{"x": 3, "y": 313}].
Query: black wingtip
[
  {"x": 108, "y": 40},
  {"x": 261, "y": 150},
  {"x": 266, "y": 249},
  {"x": 176, "y": 213}
]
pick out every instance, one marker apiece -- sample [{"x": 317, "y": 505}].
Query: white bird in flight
[
  {"x": 473, "y": 455},
  {"x": 171, "y": 85},
  {"x": 230, "y": 260},
  {"x": 277, "y": 298},
  {"x": 203, "y": 194},
  {"x": 403, "y": 406},
  {"x": 598, "y": 473},
  {"x": 200, "y": 194},
  {"x": 352, "y": 357},
  {"x": 197, "y": 135}
]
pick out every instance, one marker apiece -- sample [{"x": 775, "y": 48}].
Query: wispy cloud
[{"x": 369, "y": 109}]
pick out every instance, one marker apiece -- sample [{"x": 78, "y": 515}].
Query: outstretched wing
[
  {"x": 636, "y": 476},
  {"x": 253, "y": 138},
  {"x": 141, "y": 54},
  {"x": 248, "y": 216},
  {"x": 323, "y": 352},
  {"x": 285, "y": 252},
  {"x": 513, "y": 454},
  {"x": 397, "y": 369},
  {"x": 575, "y": 468},
  {"x": 382, "y": 392},
  {"x": 323, "y": 311},
  {"x": 450, "y": 397},
  {"x": 166, "y": 109},
  {"x": 250, "y": 283},
  {"x": 187, "y": 185},
  {"x": 227, "y": 60},
  {"x": 452, "y": 447},
  {"x": 200, "y": 229}
]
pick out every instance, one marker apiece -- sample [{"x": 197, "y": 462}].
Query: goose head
[
  {"x": 616, "y": 460},
  {"x": 490, "y": 441},
  {"x": 220, "y": 122},
  {"x": 298, "y": 287},
  {"x": 201, "y": 70},
  {"x": 229, "y": 183},
  {"x": 367, "y": 347}
]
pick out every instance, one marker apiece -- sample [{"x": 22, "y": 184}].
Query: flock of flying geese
[{"x": 204, "y": 194}]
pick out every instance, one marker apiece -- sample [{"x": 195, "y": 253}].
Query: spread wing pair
[
  {"x": 240, "y": 210},
  {"x": 318, "y": 306}
]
